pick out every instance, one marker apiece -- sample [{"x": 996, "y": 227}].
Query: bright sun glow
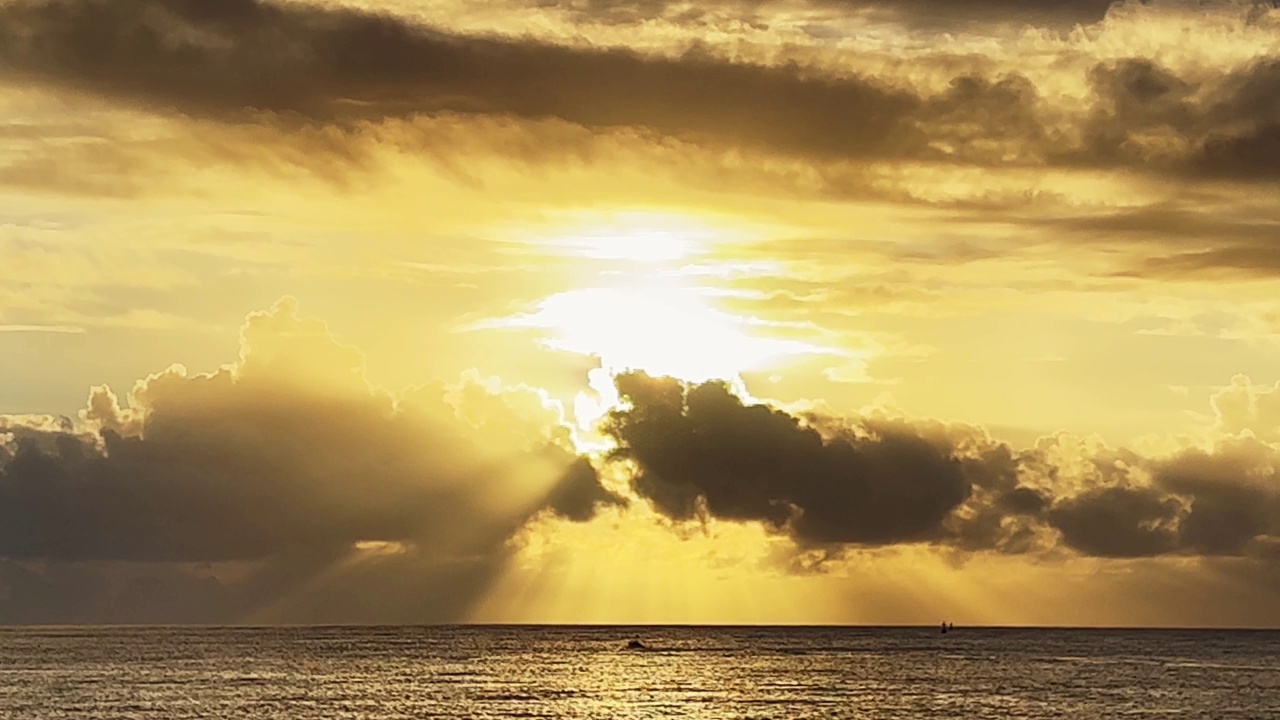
[
  {"x": 637, "y": 236},
  {"x": 649, "y": 309},
  {"x": 652, "y": 329},
  {"x": 660, "y": 329},
  {"x": 656, "y": 311}
]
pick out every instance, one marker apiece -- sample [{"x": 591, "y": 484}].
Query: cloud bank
[
  {"x": 252, "y": 61},
  {"x": 1081, "y": 159},
  {"x": 700, "y": 451},
  {"x": 287, "y": 457},
  {"x": 284, "y": 487}
]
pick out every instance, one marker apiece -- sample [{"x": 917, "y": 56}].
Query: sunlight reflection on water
[{"x": 572, "y": 673}]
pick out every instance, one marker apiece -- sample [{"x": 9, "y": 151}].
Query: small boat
[{"x": 637, "y": 645}]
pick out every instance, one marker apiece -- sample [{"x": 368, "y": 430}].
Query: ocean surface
[{"x": 376, "y": 673}]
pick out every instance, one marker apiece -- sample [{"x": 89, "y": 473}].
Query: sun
[
  {"x": 652, "y": 305},
  {"x": 638, "y": 237},
  {"x": 662, "y": 329},
  {"x": 652, "y": 302},
  {"x": 648, "y": 306},
  {"x": 665, "y": 322}
]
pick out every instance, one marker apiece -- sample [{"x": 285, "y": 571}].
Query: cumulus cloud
[
  {"x": 290, "y": 450},
  {"x": 288, "y": 455},
  {"x": 1243, "y": 407},
  {"x": 285, "y": 487},
  {"x": 702, "y": 452},
  {"x": 1118, "y": 522},
  {"x": 1224, "y": 503},
  {"x": 701, "y": 449}
]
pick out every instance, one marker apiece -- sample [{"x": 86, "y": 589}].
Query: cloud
[
  {"x": 1224, "y": 503},
  {"x": 701, "y": 449},
  {"x": 700, "y": 452},
  {"x": 61, "y": 329},
  {"x": 1118, "y": 522},
  {"x": 284, "y": 487},
  {"x": 280, "y": 86},
  {"x": 1033, "y": 12},
  {"x": 579, "y": 495},
  {"x": 1218, "y": 127},
  {"x": 1233, "y": 494},
  {"x": 1220, "y": 501},
  {"x": 288, "y": 453},
  {"x": 1242, "y": 407},
  {"x": 934, "y": 13},
  {"x": 1232, "y": 262},
  {"x": 225, "y": 61}
]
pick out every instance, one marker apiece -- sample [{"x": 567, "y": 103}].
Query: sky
[{"x": 611, "y": 311}]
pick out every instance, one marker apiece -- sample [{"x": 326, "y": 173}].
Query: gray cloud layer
[
  {"x": 248, "y": 60},
  {"x": 231, "y": 60},
  {"x": 915, "y": 12}
]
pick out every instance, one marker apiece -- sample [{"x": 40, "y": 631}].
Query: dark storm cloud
[
  {"x": 1253, "y": 154},
  {"x": 1224, "y": 503},
  {"x": 1118, "y": 522},
  {"x": 1219, "y": 128},
  {"x": 290, "y": 464},
  {"x": 1234, "y": 498},
  {"x": 703, "y": 448},
  {"x": 1250, "y": 100}
]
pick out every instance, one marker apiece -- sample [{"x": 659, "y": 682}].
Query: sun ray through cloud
[{"x": 805, "y": 311}]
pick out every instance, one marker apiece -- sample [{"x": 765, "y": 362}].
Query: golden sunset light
[
  {"x": 794, "y": 312},
  {"x": 659, "y": 327},
  {"x": 636, "y": 236}
]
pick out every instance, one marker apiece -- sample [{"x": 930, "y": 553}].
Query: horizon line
[{"x": 607, "y": 625}]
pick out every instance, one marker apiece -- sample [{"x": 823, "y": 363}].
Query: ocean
[{"x": 708, "y": 673}]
